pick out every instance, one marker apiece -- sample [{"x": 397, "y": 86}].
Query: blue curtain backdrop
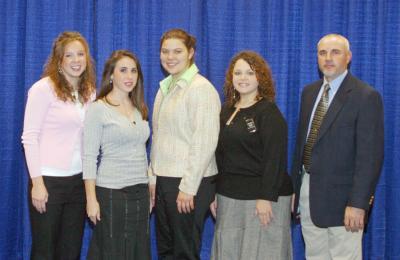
[{"x": 285, "y": 32}]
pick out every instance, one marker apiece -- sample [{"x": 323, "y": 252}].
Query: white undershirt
[{"x": 76, "y": 162}]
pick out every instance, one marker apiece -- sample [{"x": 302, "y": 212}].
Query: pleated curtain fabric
[
  {"x": 319, "y": 115},
  {"x": 286, "y": 33}
]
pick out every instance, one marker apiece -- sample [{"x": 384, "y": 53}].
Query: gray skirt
[{"x": 239, "y": 234}]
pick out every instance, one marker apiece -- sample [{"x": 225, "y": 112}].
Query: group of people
[{"x": 86, "y": 156}]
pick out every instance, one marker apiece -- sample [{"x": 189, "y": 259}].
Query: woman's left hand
[
  {"x": 264, "y": 212},
  {"x": 185, "y": 202},
  {"x": 152, "y": 192}
]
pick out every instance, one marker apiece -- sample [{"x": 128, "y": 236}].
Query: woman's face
[
  {"x": 244, "y": 78},
  {"x": 125, "y": 75},
  {"x": 174, "y": 56},
  {"x": 74, "y": 61}
]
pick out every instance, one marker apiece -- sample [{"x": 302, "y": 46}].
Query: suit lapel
[
  {"x": 309, "y": 101},
  {"x": 336, "y": 105}
]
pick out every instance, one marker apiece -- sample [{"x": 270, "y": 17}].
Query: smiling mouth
[
  {"x": 128, "y": 84},
  {"x": 76, "y": 68},
  {"x": 171, "y": 64}
]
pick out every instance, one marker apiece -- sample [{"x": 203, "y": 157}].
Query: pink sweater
[{"x": 51, "y": 129}]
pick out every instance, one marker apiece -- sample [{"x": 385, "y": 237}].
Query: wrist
[
  {"x": 91, "y": 199},
  {"x": 37, "y": 182}
]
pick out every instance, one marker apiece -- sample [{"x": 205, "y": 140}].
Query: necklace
[
  {"x": 125, "y": 110},
  {"x": 239, "y": 106},
  {"x": 246, "y": 104}
]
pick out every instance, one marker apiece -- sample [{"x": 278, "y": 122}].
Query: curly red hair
[{"x": 61, "y": 86}]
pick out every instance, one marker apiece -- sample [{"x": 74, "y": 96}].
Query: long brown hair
[
  {"x": 137, "y": 94},
  {"x": 266, "y": 88},
  {"x": 62, "y": 87},
  {"x": 188, "y": 40}
]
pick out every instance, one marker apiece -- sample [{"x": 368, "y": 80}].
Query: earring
[
  {"x": 60, "y": 70},
  {"x": 111, "y": 81},
  {"x": 234, "y": 94}
]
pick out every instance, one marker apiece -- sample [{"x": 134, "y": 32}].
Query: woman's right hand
[
  {"x": 213, "y": 207},
  {"x": 152, "y": 191},
  {"x": 93, "y": 210},
  {"x": 39, "y": 194}
]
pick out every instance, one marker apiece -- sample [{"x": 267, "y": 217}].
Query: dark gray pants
[
  {"x": 178, "y": 234},
  {"x": 57, "y": 233}
]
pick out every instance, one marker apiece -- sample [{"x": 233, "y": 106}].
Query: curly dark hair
[{"x": 266, "y": 86}]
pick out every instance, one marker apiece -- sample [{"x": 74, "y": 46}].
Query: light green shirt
[{"x": 187, "y": 76}]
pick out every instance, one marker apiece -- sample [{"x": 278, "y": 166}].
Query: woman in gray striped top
[{"x": 115, "y": 163}]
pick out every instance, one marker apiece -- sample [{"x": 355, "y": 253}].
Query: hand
[
  {"x": 213, "y": 208},
  {"x": 354, "y": 219},
  {"x": 264, "y": 212},
  {"x": 93, "y": 210},
  {"x": 152, "y": 191},
  {"x": 184, "y": 202},
  {"x": 39, "y": 195},
  {"x": 292, "y": 203}
]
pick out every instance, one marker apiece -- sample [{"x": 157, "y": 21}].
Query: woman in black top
[{"x": 252, "y": 206}]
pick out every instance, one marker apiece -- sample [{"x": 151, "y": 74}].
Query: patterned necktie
[{"x": 319, "y": 114}]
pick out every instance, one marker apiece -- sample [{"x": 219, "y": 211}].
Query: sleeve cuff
[
  {"x": 185, "y": 189},
  {"x": 271, "y": 196}
]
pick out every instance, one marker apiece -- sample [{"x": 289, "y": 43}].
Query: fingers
[
  {"x": 152, "y": 189},
  {"x": 185, "y": 206},
  {"x": 191, "y": 204},
  {"x": 350, "y": 224},
  {"x": 39, "y": 198},
  {"x": 180, "y": 206},
  {"x": 347, "y": 223},
  {"x": 185, "y": 202},
  {"x": 152, "y": 202},
  {"x": 40, "y": 205},
  {"x": 265, "y": 218},
  {"x": 213, "y": 212},
  {"x": 353, "y": 220},
  {"x": 94, "y": 217},
  {"x": 292, "y": 202},
  {"x": 355, "y": 225},
  {"x": 93, "y": 211},
  {"x": 213, "y": 208}
]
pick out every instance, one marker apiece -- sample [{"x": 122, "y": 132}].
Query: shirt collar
[
  {"x": 184, "y": 80},
  {"x": 335, "y": 84}
]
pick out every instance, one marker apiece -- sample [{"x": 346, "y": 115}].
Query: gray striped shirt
[{"x": 118, "y": 144}]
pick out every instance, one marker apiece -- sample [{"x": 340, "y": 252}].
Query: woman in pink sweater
[{"x": 52, "y": 140}]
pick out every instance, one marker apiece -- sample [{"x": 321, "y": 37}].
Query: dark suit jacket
[{"x": 347, "y": 157}]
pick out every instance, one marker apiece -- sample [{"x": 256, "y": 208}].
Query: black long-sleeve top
[{"x": 252, "y": 153}]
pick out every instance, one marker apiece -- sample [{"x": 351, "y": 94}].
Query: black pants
[
  {"x": 123, "y": 231},
  {"x": 57, "y": 233},
  {"x": 178, "y": 234}
]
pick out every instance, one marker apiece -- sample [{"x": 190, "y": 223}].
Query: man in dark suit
[{"x": 338, "y": 155}]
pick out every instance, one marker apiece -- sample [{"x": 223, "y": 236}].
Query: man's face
[{"x": 333, "y": 57}]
